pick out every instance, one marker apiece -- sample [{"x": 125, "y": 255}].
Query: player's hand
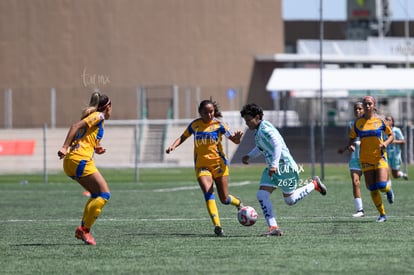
[
  {"x": 272, "y": 171},
  {"x": 100, "y": 150},
  {"x": 238, "y": 134},
  {"x": 341, "y": 150},
  {"x": 245, "y": 159},
  {"x": 62, "y": 153},
  {"x": 169, "y": 150}
]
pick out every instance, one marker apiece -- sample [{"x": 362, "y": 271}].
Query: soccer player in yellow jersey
[
  {"x": 82, "y": 141},
  {"x": 210, "y": 161},
  {"x": 370, "y": 128}
]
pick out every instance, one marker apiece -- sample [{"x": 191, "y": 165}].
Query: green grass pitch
[{"x": 161, "y": 226}]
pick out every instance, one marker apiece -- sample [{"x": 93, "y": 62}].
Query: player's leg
[
  {"x": 263, "y": 197},
  {"x": 87, "y": 175},
  {"x": 384, "y": 185},
  {"x": 291, "y": 198},
  {"x": 395, "y": 165},
  {"x": 370, "y": 174},
  {"x": 356, "y": 191},
  {"x": 100, "y": 194},
  {"x": 205, "y": 181},
  {"x": 221, "y": 178}
]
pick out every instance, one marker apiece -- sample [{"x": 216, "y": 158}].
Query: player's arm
[
  {"x": 277, "y": 152},
  {"x": 352, "y": 139},
  {"x": 70, "y": 136},
  {"x": 349, "y": 147},
  {"x": 176, "y": 143},
  {"x": 255, "y": 152},
  {"x": 385, "y": 143},
  {"x": 399, "y": 138},
  {"x": 389, "y": 139}
]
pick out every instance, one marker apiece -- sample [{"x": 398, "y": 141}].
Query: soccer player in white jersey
[
  {"x": 354, "y": 165},
  {"x": 394, "y": 150},
  {"x": 281, "y": 172}
]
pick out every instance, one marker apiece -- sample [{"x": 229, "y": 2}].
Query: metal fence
[
  {"x": 130, "y": 145},
  {"x": 24, "y": 108},
  {"x": 59, "y": 107}
]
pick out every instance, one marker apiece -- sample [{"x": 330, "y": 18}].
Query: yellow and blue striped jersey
[
  {"x": 86, "y": 139},
  {"x": 370, "y": 131},
  {"x": 208, "y": 149}
]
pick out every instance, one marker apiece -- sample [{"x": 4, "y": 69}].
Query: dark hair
[
  {"x": 205, "y": 102},
  {"x": 252, "y": 110},
  {"x": 104, "y": 101},
  {"x": 358, "y": 103},
  {"x": 391, "y": 119}
]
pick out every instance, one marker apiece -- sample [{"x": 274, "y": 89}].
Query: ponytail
[{"x": 97, "y": 103}]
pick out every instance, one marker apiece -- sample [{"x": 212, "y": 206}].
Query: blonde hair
[
  {"x": 93, "y": 105},
  {"x": 97, "y": 103}
]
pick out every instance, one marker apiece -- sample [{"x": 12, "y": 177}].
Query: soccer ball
[{"x": 247, "y": 216}]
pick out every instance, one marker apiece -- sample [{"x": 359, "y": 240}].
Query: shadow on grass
[
  {"x": 46, "y": 244},
  {"x": 190, "y": 235}
]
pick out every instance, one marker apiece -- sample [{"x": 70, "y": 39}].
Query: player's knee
[
  {"x": 209, "y": 196},
  {"x": 381, "y": 185}
]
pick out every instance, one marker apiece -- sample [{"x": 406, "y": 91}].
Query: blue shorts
[{"x": 285, "y": 179}]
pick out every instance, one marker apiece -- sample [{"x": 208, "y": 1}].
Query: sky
[{"x": 335, "y": 10}]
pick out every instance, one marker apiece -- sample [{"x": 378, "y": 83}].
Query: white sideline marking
[
  {"x": 322, "y": 218},
  {"x": 174, "y": 189}
]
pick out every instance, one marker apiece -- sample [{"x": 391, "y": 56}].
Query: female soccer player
[
  {"x": 282, "y": 171},
  {"x": 82, "y": 141},
  {"x": 394, "y": 150},
  {"x": 354, "y": 165},
  {"x": 210, "y": 161},
  {"x": 373, "y": 154}
]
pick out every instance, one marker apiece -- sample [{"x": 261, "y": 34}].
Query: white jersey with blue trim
[{"x": 271, "y": 144}]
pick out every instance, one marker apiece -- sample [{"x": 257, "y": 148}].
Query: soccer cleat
[
  {"x": 273, "y": 231},
  {"x": 359, "y": 214},
  {"x": 390, "y": 196},
  {"x": 382, "y": 218},
  {"x": 405, "y": 176},
  {"x": 219, "y": 231},
  {"x": 319, "y": 186},
  {"x": 84, "y": 234}
]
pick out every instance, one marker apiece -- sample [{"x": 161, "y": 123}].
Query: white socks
[
  {"x": 265, "y": 203},
  {"x": 299, "y": 194},
  {"x": 358, "y": 204}
]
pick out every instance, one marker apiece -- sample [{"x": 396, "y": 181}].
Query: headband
[{"x": 104, "y": 106}]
